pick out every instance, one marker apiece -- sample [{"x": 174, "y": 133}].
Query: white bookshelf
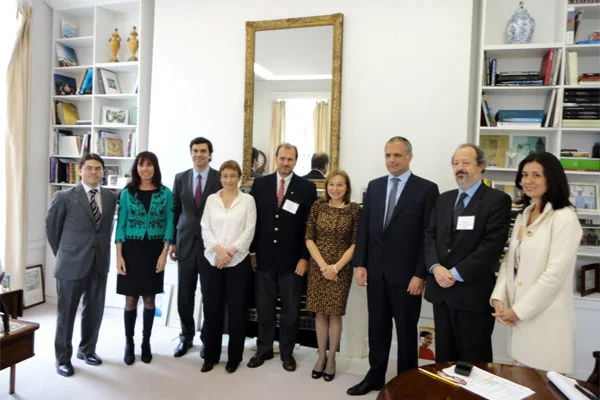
[
  {"x": 96, "y": 22},
  {"x": 550, "y": 33}
]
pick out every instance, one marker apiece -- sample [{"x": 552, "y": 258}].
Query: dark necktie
[
  {"x": 95, "y": 209},
  {"x": 198, "y": 193},
  {"x": 458, "y": 209},
  {"x": 391, "y": 202}
]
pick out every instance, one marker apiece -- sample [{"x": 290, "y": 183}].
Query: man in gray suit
[
  {"x": 190, "y": 190},
  {"x": 78, "y": 227}
]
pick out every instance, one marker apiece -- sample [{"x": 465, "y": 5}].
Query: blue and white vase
[{"x": 520, "y": 26}]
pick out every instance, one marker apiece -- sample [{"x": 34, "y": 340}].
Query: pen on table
[
  {"x": 586, "y": 392},
  {"x": 436, "y": 376}
]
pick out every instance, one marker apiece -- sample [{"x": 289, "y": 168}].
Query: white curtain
[
  {"x": 322, "y": 127},
  {"x": 17, "y": 149},
  {"x": 277, "y": 132}
]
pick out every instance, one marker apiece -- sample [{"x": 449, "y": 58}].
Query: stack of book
[
  {"x": 68, "y": 144},
  {"x": 519, "y": 118},
  {"x": 66, "y": 85},
  {"x": 589, "y": 79},
  {"x": 487, "y": 114},
  {"x": 581, "y": 108},
  {"x": 547, "y": 75},
  {"x": 519, "y": 78},
  {"x": 64, "y": 171},
  {"x": 109, "y": 144}
]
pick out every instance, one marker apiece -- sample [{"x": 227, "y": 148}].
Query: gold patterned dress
[{"x": 333, "y": 230}]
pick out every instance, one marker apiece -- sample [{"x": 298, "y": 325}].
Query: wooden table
[
  {"x": 16, "y": 346},
  {"x": 413, "y": 384}
]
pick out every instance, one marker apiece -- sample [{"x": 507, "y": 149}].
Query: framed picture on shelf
[
  {"x": 112, "y": 180},
  {"x": 509, "y": 188},
  {"x": 584, "y": 195},
  {"x": 589, "y": 279},
  {"x": 524, "y": 145},
  {"x": 110, "y": 82},
  {"x": 33, "y": 287},
  {"x": 495, "y": 148},
  {"x": 426, "y": 344},
  {"x": 115, "y": 116},
  {"x": 590, "y": 237}
]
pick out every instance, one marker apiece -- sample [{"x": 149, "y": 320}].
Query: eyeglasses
[
  {"x": 452, "y": 378},
  {"x": 91, "y": 169},
  {"x": 229, "y": 176}
]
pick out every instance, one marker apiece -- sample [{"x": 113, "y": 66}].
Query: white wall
[
  {"x": 405, "y": 71},
  {"x": 37, "y": 201}
]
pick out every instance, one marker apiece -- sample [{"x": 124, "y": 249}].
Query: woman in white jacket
[{"x": 534, "y": 290}]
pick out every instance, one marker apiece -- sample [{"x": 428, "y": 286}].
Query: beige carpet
[{"x": 168, "y": 377}]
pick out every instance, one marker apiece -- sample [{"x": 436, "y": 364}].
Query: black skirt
[{"x": 140, "y": 258}]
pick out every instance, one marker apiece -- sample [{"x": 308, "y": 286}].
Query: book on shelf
[
  {"x": 546, "y": 67},
  {"x": 83, "y": 122},
  {"x": 515, "y": 124},
  {"x": 580, "y": 123},
  {"x": 66, "y": 113},
  {"x": 85, "y": 86},
  {"x": 66, "y": 56},
  {"x": 574, "y": 153},
  {"x": 572, "y": 67},
  {"x": 589, "y": 41},
  {"x": 109, "y": 82},
  {"x": 550, "y": 109},
  {"x": 69, "y": 29},
  {"x": 64, "y": 171},
  {"x": 64, "y": 85},
  {"x": 538, "y": 82},
  {"x": 132, "y": 144},
  {"x": 570, "y": 34},
  {"x": 505, "y": 114},
  {"x": 589, "y": 79}
]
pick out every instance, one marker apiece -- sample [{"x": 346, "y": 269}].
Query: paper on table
[
  {"x": 565, "y": 385},
  {"x": 491, "y": 386}
]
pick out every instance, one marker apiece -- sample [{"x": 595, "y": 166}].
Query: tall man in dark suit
[
  {"x": 389, "y": 260},
  {"x": 78, "y": 227},
  {"x": 463, "y": 244},
  {"x": 283, "y": 202},
  {"x": 319, "y": 164},
  {"x": 190, "y": 190}
]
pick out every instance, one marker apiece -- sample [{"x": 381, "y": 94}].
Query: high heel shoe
[
  {"x": 328, "y": 377},
  {"x": 318, "y": 374}
]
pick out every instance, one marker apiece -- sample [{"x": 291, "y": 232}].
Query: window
[{"x": 8, "y": 26}]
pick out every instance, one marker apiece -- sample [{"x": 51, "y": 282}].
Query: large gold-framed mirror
[{"x": 292, "y": 92}]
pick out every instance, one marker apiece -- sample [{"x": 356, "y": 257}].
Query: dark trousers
[
  {"x": 70, "y": 292},
  {"x": 462, "y": 335},
  {"x": 226, "y": 287},
  {"x": 194, "y": 265},
  {"x": 267, "y": 286},
  {"x": 386, "y": 301}
]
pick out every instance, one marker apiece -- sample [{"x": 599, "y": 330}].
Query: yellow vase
[
  {"x": 133, "y": 44},
  {"x": 115, "y": 45}
]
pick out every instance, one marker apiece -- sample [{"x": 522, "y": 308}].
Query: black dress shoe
[
  {"x": 259, "y": 358},
  {"x": 207, "y": 367},
  {"x": 182, "y": 348},
  {"x": 289, "y": 363},
  {"x": 362, "y": 388},
  {"x": 90, "y": 359},
  {"x": 231, "y": 366},
  {"x": 65, "y": 369}
]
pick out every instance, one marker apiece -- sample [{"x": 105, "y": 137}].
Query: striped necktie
[{"x": 95, "y": 209}]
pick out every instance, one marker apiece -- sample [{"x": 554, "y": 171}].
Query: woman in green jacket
[{"x": 144, "y": 233}]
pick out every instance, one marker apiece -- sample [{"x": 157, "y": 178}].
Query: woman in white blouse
[
  {"x": 228, "y": 226},
  {"x": 534, "y": 290}
]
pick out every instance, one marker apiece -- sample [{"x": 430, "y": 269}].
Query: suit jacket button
[
  {"x": 276, "y": 229},
  {"x": 276, "y": 215},
  {"x": 529, "y": 233},
  {"x": 448, "y": 250},
  {"x": 275, "y": 241}
]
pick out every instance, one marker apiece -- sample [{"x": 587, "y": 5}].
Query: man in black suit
[
  {"x": 283, "y": 202},
  {"x": 190, "y": 190},
  {"x": 389, "y": 246},
  {"x": 78, "y": 227},
  {"x": 463, "y": 244},
  {"x": 319, "y": 164}
]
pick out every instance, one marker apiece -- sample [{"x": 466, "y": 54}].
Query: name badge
[
  {"x": 290, "y": 206},
  {"x": 465, "y": 223}
]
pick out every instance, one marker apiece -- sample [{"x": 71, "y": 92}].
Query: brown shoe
[{"x": 289, "y": 364}]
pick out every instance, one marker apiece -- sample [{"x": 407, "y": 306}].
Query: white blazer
[{"x": 541, "y": 293}]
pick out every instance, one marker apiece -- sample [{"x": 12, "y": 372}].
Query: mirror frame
[{"x": 337, "y": 21}]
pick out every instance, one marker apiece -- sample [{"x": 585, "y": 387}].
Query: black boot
[
  {"x": 148, "y": 322},
  {"x": 130, "y": 317}
]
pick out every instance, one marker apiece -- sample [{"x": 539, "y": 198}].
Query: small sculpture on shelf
[
  {"x": 520, "y": 26},
  {"x": 511, "y": 153},
  {"x": 133, "y": 44},
  {"x": 115, "y": 45}
]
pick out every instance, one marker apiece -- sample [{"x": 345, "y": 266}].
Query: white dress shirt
[
  {"x": 89, "y": 196},
  {"x": 228, "y": 227}
]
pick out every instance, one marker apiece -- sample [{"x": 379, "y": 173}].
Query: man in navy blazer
[
  {"x": 279, "y": 254},
  {"x": 389, "y": 260},
  {"x": 463, "y": 245}
]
